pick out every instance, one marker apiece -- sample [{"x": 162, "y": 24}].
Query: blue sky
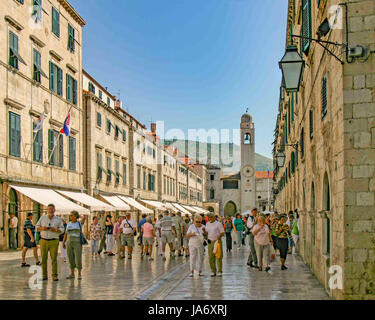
[{"x": 191, "y": 63}]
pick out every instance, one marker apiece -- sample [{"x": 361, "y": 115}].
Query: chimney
[{"x": 153, "y": 127}]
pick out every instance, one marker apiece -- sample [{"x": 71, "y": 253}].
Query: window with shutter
[
  {"x": 100, "y": 95},
  {"x": 52, "y": 77},
  {"x": 306, "y": 30},
  {"x": 38, "y": 145},
  {"x": 123, "y": 135},
  {"x": 108, "y": 101},
  {"x": 98, "y": 119},
  {"x": 99, "y": 166},
  {"x": 61, "y": 150},
  {"x": 138, "y": 178},
  {"x": 55, "y": 22},
  {"x": 324, "y": 96},
  {"x": 37, "y": 9},
  {"x": 14, "y": 134},
  {"x": 302, "y": 143},
  {"x": 109, "y": 126},
  {"x": 72, "y": 153},
  {"x": 59, "y": 81},
  {"x": 71, "y": 38},
  {"x": 144, "y": 180},
  {"x": 51, "y": 147},
  {"x": 292, "y": 107},
  {"x": 311, "y": 118},
  {"x": 37, "y": 66},
  {"x": 109, "y": 169},
  {"x": 69, "y": 88},
  {"x": 124, "y": 174},
  {"x": 75, "y": 92},
  {"x": 13, "y": 50}
]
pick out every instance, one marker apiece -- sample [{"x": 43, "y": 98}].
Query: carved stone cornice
[
  {"x": 13, "y": 103},
  {"x": 37, "y": 41},
  {"x": 13, "y": 22},
  {"x": 55, "y": 55}
]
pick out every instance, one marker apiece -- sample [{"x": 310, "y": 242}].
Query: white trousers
[
  {"x": 196, "y": 257},
  {"x": 110, "y": 242},
  {"x": 295, "y": 240},
  {"x": 160, "y": 249}
]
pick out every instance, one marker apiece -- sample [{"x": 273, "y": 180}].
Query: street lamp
[
  {"x": 292, "y": 66},
  {"x": 280, "y": 158}
]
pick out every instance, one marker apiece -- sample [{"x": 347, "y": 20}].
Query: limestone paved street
[{"x": 109, "y": 278}]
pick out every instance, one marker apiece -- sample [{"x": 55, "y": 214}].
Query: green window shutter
[
  {"x": 124, "y": 174},
  {"x": 123, "y": 135},
  {"x": 75, "y": 92},
  {"x": 68, "y": 88},
  {"x": 306, "y": 24},
  {"x": 37, "y": 66},
  {"x": 292, "y": 111},
  {"x": 52, "y": 76},
  {"x": 71, "y": 39},
  {"x": 38, "y": 145},
  {"x": 324, "y": 96},
  {"x": 99, "y": 119},
  {"x": 108, "y": 101},
  {"x": 311, "y": 118},
  {"x": 14, "y": 135},
  {"x": 13, "y": 50},
  {"x": 72, "y": 153},
  {"x": 59, "y": 82},
  {"x": 51, "y": 145},
  {"x": 61, "y": 150},
  {"x": 55, "y": 22}
]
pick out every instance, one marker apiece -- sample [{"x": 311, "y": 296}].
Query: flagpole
[{"x": 32, "y": 145}]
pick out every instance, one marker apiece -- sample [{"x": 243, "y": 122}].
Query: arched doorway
[
  {"x": 13, "y": 208},
  {"x": 230, "y": 209}
]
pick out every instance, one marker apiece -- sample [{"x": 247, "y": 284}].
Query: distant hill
[{"x": 225, "y": 155}]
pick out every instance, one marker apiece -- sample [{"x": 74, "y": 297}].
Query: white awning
[
  {"x": 170, "y": 207},
  {"x": 91, "y": 202},
  {"x": 47, "y": 196},
  {"x": 181, "y": 208},
  {"x": 191, "y": 209},
  {"x": 133, "y": 203},
  {"x": 116, "y": 202},
  {"x": 199, "y": 209},
  {"x": 155, "y": 204}
]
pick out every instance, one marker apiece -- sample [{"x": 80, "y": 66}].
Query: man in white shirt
[
  {"x": 252, "y": 260},
  {"x": 167, "y": 233},
  {"x": 127, "y": 230},
  {"x": 50, "y": 227},
  {"x": 13, "y": 227},
  {"x": 215, "y": 232}
]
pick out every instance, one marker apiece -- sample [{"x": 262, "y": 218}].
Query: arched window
[{"x": 247, "y": 138}]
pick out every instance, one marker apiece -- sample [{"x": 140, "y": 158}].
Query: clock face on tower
[{"x": 248, "y": 171}]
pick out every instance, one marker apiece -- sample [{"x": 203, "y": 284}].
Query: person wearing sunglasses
[{"x": 196, "y": 234}]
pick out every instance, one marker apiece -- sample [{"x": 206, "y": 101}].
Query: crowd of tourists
[{"x": 269, "y": 235}]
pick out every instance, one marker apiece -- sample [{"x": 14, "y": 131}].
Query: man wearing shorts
[
  {"x": 168, "y": 233},
  {"x": 29, "y": 240},
  {"x": 148, "y": 238},
  {"x": 127, "y": 230}
]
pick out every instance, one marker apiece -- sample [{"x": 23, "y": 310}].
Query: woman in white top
[{"x": 195, "y": 234}]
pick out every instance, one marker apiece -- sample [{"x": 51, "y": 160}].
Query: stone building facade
[
  {"x": 106, "y": 153},
  {"x": 330, "y": 176},
  {"x": 40, "y": 72}
]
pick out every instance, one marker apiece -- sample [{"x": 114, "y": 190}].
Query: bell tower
[{"x": 248, "y": 189}]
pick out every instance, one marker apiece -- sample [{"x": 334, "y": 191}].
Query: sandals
[
  {"x": 70, "y": 276},
  {"x": 24, "y": 264}
]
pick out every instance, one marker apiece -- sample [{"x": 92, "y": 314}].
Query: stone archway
[{"x": 230, "y": 209}]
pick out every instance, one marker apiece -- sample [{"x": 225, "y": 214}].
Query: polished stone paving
[{"x": 110, "y": 278}]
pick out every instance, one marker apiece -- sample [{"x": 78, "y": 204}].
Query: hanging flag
[
  {"x": 39, "y": 124},
  {"x": 66, "y": 128}
]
